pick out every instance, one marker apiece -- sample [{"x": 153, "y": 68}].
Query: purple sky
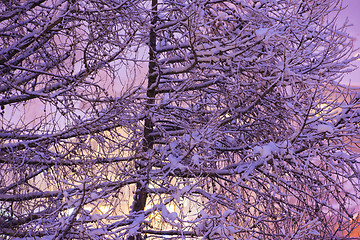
[{"x": 353, "y": 14}]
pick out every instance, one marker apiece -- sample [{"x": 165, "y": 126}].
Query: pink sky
[{"x": 352, "y": 12}]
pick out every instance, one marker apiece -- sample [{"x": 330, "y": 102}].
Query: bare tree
[{"x": 177, "y": 119}]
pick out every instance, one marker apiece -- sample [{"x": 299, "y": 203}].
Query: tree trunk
[{"x": 148, "y": 141}]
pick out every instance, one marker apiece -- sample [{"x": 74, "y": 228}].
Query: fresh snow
[
  {"x": 325, "y": 128},
  {"x": 266, "y": 150}
]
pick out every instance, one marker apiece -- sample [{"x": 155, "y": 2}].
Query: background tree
[{"x": 179, "y": 119}]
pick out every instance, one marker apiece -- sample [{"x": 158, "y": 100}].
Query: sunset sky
[{"x": 352, "y": 13}]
